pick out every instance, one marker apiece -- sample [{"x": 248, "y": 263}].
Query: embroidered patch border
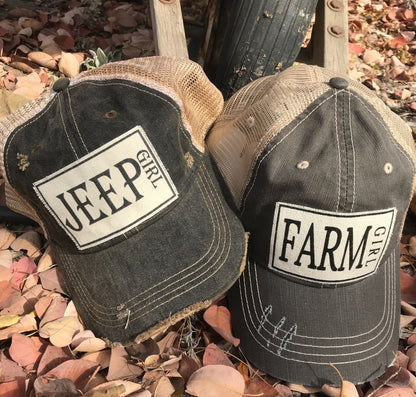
[
  {"x": 108, "y": 191},
  {"x": 328, "y": 247}
]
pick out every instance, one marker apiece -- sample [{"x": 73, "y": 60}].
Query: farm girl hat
[
  {"x": 112, "y": 164},
  {"x": 322, "y": 173}
]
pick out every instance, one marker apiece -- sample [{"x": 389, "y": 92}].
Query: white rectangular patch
[
  {"x": 108, "y": 191},
  {"x": 326, "y": 246}
]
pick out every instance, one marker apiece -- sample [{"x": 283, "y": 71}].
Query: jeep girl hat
[
  {"x": 322, "y": 172},
  {"x": 112, "y": 164}
]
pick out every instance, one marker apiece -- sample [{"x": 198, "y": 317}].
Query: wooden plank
[
  {"x": 330, "y": 35},
  {"x": 168, "y": 28}
]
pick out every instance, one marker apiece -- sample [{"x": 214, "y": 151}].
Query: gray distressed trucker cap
[
  {"x": 112, "y": 164},
  {"x": 322, "y": 172}
]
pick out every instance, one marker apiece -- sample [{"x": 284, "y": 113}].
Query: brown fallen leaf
[
  {"x": 68, "y": 64},
  {"x": 47, "y": 386},
  {"x": 102, "y": 358},
  {"x": 407, "y": 287},
  {"x": 26, "y": 351},
  {"x": 26, "y": 324},
  {"x": 164, "y": 387},
  {"x": 256, "y": 387},
  {"x": 216, "y": 380},
  {"x": 15, "y": 388},
  {"x": 21, "y": 269},
  {"x": 347, "y": 388},
  {"x": 52, "y": 357},
  {"x": 61, "y": 331},
  {"x": 213, "y": 355},
  {"x": 30, "y": 241},
  {"x": 43, "y": 59},
  {"x": 117, "y": 388},
  {"x": 120, "y": 367},
  {"x": 78, "y": 371},
  {"x": 387, "y": 391},
  {"x": 86, "y": 342},
  {"x": 219, "y": 318},
  {"x": 10, "y": 370}
]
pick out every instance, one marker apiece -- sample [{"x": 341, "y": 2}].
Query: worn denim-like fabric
[
  {"x": 324, "y": 207},
  {"x": 135, "y": 216}
]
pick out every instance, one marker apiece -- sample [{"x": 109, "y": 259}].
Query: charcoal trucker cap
[
  {"x": 322, "y": 172},
  {"x": 112, "y": 164}
]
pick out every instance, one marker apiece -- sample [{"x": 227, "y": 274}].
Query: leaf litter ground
[{"x": 44, "y": 348}]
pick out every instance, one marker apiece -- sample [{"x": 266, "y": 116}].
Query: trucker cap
[
  {"x": 322, "y": 172},
  {"x": 112, "y": 164}
]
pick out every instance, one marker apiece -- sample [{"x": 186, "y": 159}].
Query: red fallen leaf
[
  {"x": 187, "y": 366},
  {"x": 398, "y": 41},
  {"x": 407, "y": 287},
  {"x": 55, "y": 310},
  {"x": 392, "y": 14},
  {"x": 411, "y": 353},
  {"x": 10, "y": 370},
  {"x": 21, "y": 270},
  {"x": 256, "y": 387},
  {"x": 9, "y": 80},
  {"x": 65, "y": 42},
  {"x": 213, "y": 355},
  {"x": 51, "y": 280},
  {"x": 16, "y": 388},
  {"x": 356, "y": 48},
  {"x": 394, "y": 377},
  {"x": 387, "y": 391},
  {"x": 26, "y": 351},
  {"x": 119, "y": 367},
  {"x": 42, "y": 305},
  {"x": 78, "y": 371},
  {"x": 52, "y": 357},
  {"x": 219, "y": 318}
]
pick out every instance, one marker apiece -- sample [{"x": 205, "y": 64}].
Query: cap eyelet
[
  {"x": 302, "y": 165},
  {"x": 250, "y": 122},
  {"x": 388, "y": 168}
]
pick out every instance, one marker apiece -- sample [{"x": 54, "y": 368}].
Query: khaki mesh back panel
[
  {"x": 260, "y": 110},
  {"x": 181, "y": 79}
]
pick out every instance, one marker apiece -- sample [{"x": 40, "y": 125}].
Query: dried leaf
[
  {"x": 52, "y": 280},
  {"x": 372, "y": 57},
  {"x": 6, "y": 320},
  {"x": 213, "y": 355},
  {"x": 10, "y": 370},
  {"x": 120, "y": 367},
  {"x": 52, "y": 357},
  {"x": 78, "y": 371},
  {"x": 68, "y": 64},
  {"x": 43, "y": 59},
  {"x": 29, "y": 242},
  {"x": 255, "y": 387},
  {"x": 45, "y": 261},
  {"x": 86, "y": 342},
  {"x": 61, "y": 331},
  {"x": 6, "y": 238},
  {"x": 216, "y": 380},
  {"x": 164, "y": 388},
  {"x": 55, "y": 310},
  {"x": 387, "y": 391},
  {"x": 46, "y": 386},
  {"x": 117, "y": 388},
  {"x": 16, "y": 388},
  {"x": 219, "y": 318},
  {"x": 394, "y": 376},
  {"x": 102, "y": 358},
  {"x": 407, "y": 287},
  {"x": 26, "y": 323},
  {"x": 398, "y": 41},
  {"x": 26, "y": 351},
  {"x": 22, "y": 269}
]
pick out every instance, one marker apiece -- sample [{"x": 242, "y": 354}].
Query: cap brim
[
  {"x": 295, "y": 331},
  {"x": 152, "y": 279}
]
